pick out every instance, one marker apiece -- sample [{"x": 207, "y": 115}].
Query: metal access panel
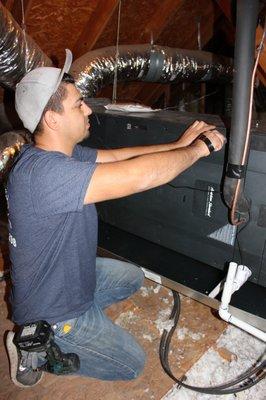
[{"x": 187, "y": 215}]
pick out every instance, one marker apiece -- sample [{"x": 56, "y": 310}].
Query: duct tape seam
[
  {"x": 235, "y": 171},
  {"x": 156, "y": 66}
]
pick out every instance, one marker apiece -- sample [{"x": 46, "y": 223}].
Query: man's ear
[{"x": 51, "y": 119}]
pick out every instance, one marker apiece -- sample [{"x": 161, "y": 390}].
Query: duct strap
[
  {"x": 155, "y": 67},
  {"x": 235, "y": 171}
]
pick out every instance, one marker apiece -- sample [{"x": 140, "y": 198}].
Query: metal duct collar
[
  {"x": 95, "y": 69},
  {"x": 15, "y": 57}
]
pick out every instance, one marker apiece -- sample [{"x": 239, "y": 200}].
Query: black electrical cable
[
  {"x": 192, "y": 188},
  {"x": 167, "y": 336},
  {"x": 164, "y": 348},
  {"x": 219, "y": 389},
  {"x": 237, "y": 240},
  {"x": 238, "y": 230}
]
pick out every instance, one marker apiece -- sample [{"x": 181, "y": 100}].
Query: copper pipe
[{"x": 235, "y": 221}]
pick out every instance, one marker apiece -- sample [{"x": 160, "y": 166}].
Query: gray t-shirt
[{"x": 53, "y": 236}]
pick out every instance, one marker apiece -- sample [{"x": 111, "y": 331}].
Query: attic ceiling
[{"x": 83, "y": 25}]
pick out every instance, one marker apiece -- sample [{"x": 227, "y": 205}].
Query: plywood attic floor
[{"x": 143, "y": 315}]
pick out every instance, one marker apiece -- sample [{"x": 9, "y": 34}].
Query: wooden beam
[
  {"x": 8, "y": 4},
  {"x": 261, "y": 75},
  {"x": 226, "y": 26},
  {"x": 160, "y": 18},
  {"x": 147, "y": 91},
  {"x": 262, "y": 60},
  {"x": 16, "y": 10},
  {"x": 153, "y": 29},
  {"x": 94, "y": 27},
  {"x": 155, "y": 92},
  {"x": 225, "y": 6},
  {"x": 146, "y": 96}
]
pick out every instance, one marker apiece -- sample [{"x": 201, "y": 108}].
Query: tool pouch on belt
[{"x": 36, "y": 343}]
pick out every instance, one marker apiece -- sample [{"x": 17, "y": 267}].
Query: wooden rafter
[
  {"x": 225, "y": 6},
  {"x": 259, "y": 33},
  {"x": 16, "y": 9},
  {"x": 8, "y": 3},
  {"x": 160, "y": 18},
  {"x": 154, "y": 91},
  {"x": 226, "y": 26},
  {"x": 153, "y": 30},
  {"x": 261, "y": 75},
  {"x": 94, "y": 27},
  {"x": 148, "y": 92}
]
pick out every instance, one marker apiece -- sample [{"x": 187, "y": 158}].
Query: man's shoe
[{"x": 21, "y": 376}]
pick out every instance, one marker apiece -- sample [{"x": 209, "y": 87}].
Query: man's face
[{"x": 74, "y": 122}]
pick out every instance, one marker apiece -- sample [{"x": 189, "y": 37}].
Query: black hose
[{"x": 226, "y": 388}]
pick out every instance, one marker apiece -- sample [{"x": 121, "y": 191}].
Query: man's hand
[
  {"x": 193, "y": 132},
  {"x": 126, "y": 153},
  {"x": 123, "y": 178},
  {"x": 214, "y": 138}
]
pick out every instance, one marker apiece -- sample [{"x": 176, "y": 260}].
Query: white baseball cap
[{"x": 35, "y": 89}]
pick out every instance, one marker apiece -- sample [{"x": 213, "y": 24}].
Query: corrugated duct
[
  {"x": 96, "y": 69},
  {"x": 18, "y": 55},
  {"x": 18, "y": 52}
]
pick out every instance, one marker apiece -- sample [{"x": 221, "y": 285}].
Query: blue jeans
[{"x": 106, "y": 351}]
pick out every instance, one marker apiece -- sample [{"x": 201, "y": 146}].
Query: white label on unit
[
  {"x": 225, "y": 234},
  {"x": 209, "y": 202}
]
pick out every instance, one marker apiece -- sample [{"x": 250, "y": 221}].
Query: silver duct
[
  {"x": 17, "y": 56},
  {"x": 95, "y": 69},
  {"x": 10, "y": 144}
]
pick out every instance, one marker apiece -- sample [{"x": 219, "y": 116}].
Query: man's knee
[
  {"x": 139, "y": 277},
  {"x": 126, "y": 273},
  {"x": 125, "y": 368},
  {"x": 136, "y": 275}
]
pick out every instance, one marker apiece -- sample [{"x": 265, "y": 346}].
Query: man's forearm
[
  {"x": 123, "y": 178},
  {"x": 162, "y": 167},
  {"x": 127, "y": 153}
]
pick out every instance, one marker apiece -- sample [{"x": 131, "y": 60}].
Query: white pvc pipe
[
  {"x": 228, "y": 286},
  {"x": 236, "y": 277},
  {"x": 217, "y": 289},
  {"x": 226, "y": 316},
  {"x": 242, "y": 275}
]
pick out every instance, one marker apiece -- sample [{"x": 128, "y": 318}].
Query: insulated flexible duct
[
  {"x": 10, "y": 144},
  {"x": 96, "y": 69},
  {"x": 17, "y": 55},
  {"x": 247, "y": 15}
]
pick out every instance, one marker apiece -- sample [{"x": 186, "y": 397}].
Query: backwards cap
[{"x": 35, "y": 89}]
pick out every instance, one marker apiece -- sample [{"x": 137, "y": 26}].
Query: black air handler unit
[{"x": 187, "y": 217}]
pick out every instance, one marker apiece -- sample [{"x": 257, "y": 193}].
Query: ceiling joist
[
  {"x": 8, "y": 3},
  {"x": 161, "y": 17},
  {"x": 262, "y": 61},
  {"x": 94, "y": 27},
  {"x": 15, "y": 8},
  {"x": 149, "y": 94},
  {"x": 225, "y": 6}
]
